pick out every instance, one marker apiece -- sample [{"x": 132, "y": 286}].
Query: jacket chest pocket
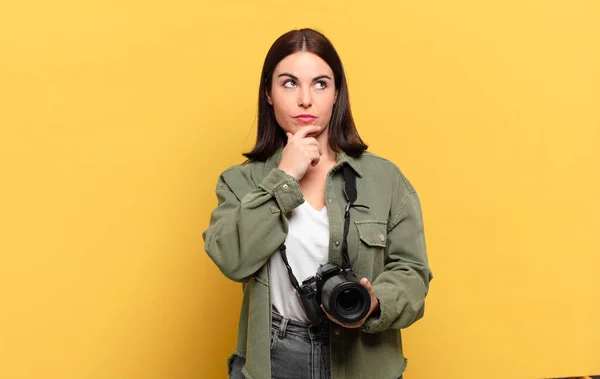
[{"x": 372, "y": 236}]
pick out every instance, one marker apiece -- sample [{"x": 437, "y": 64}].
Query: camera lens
[
  {"x": 349, "y": 301},
  {"x": 344, "y": 298}
]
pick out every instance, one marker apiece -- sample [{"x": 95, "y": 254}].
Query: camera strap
[{"x": 351, "y": 194}]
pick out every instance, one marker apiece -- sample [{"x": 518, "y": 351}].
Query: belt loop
[{"x": 283, "y": 327}]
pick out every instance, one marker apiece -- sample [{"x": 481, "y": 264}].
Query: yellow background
[{"x": 117, "y": 117}]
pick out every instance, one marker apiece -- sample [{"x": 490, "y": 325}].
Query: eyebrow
[{"x": 296, "y": 78}]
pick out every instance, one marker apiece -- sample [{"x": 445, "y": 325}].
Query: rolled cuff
[{"x": 284, "y": 188}]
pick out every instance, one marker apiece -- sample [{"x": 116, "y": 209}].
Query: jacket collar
[{"x": 343, "y": 158}]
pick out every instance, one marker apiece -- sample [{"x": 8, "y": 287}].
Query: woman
[{"x": 310, "y": 194}]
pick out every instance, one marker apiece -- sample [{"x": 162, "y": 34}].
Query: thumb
[
  {"x": 365, "y": 282},
  {"x": 289, "y": 135}
]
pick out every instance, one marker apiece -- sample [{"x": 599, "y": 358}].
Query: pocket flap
[{"x": 372, "y": 232}]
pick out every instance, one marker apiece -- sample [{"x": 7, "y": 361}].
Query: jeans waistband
[{"x": 283, "y": 325}]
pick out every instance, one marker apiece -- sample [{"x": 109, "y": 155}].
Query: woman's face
[{"x": 303, "y": 92}]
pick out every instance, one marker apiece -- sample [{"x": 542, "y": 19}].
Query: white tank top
[{"x": 307, "y": 246}]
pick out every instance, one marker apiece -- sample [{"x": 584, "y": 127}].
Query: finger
[
  {"x": 311, "y": 149},
  {"x": 365, "y": 282},
  {"x": 331, "y": 317},
  {"x": 289, "y": 135},
  {"x": 306, "y": 130},
  {"x": 315, "y": 158},
  {"x": 349, "y": 326},
  {"x": 313, "y": 141}
]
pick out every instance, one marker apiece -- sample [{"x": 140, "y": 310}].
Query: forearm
[
  {"x": 243, "y": 234},
  {"x": 401, "y": 298}
]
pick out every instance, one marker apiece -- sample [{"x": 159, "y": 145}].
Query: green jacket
[{"x": 386, "y": 244}]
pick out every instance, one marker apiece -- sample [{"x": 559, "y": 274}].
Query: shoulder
[
  {"x": 382, "y": 168},
  {"x": 245, "y": 175}
]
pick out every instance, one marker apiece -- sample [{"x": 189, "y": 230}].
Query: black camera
[{"x": 340, "y": 293}]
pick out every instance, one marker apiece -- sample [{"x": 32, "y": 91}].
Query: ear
[{"x": 269, "y": 100}]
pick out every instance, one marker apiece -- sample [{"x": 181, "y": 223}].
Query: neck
[{"x": 323, "y": 140}]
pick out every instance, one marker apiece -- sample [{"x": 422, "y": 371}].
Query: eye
[
  {"x": 289, "y": 84},
  {"x": 321, "y": 84}
]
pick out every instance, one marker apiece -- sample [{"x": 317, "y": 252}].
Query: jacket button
[
  {"x": 285, "y": 187},
  {"x": 330, "y": 201},
  {"x": 337, "y": 243},
  {"x": 336, "y": 331},
  {"x": 381, "y": 237}
]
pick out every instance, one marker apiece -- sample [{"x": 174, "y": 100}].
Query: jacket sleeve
[
  {"x": 249, "y": 222},
  {"x": 402, "y": 286}
]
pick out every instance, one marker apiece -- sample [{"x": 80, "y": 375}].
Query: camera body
[{"x": 340, "y": 293}]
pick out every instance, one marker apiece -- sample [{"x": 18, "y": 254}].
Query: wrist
[{"x": 288, "y": 171}]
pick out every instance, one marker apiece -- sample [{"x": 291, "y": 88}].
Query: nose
[{"x": 304, "y": 98}]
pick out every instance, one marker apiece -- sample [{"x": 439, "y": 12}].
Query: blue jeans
[{"x": 298, "y": 351}]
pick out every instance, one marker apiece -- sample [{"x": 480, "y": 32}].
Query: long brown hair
[{"x": 342, "y": 130}]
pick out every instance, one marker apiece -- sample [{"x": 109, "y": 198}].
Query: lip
[{"x": 305, "y": 118}]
